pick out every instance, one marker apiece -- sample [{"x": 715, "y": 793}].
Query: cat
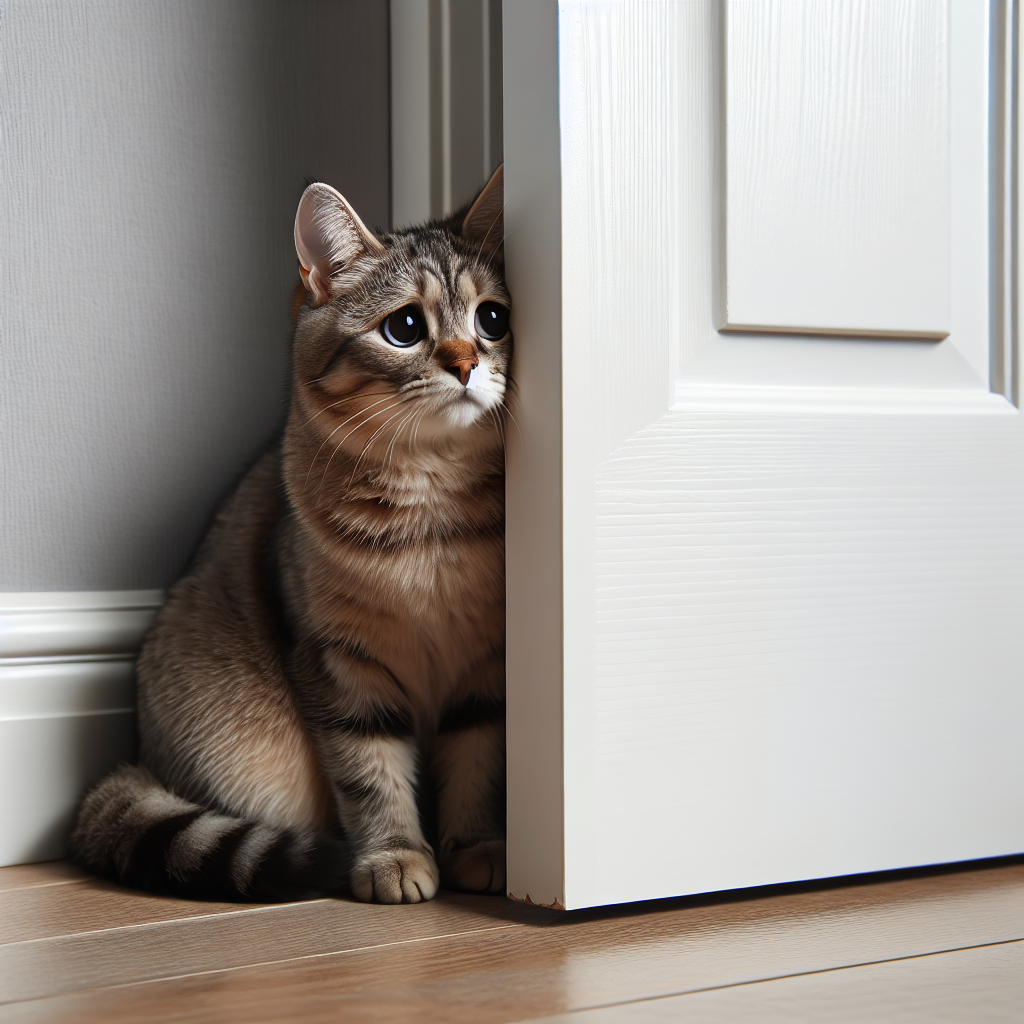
[{"x": 327, "y": 679}]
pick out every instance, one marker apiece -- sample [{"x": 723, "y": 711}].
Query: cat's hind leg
[{"x": 469, "y": 768}]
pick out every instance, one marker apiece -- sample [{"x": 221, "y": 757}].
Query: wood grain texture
[
  {"x": 23, "y": 876},
  {"x": 541, "y": 962},
  {"x": 89, "y": 935},
  {"x": 983, "y": 985},
  {"x": 89, "y": 905},
  {"x": 533, "y": 500},
  {"x": 838, "y": 167},
  {"x": 609, "y": 138},
  {"x": 961, "y": 361},
  {"x": 788, "y": 580},
  {"x": 806, "y": 619}
]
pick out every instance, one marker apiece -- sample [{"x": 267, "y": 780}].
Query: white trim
[
  {"x": 446, "y": 105},
  {"x": 485, "y": 169},
  {"x": 80, "y": 600},
  {"x": 534, "y": 554},
  {"x": 425, "y": 164},
  {"x": 66, "y": 659},
  {"x": 65, "y": 714},
  {"x": 1005, "y": 29},
  {"x": 62, "y": 625},
  {"x": 836, "y": 400},
  {"x": 67, "y": 695},
  {"x": 46, "y": 764},
  {"x": 410, "y": 111},
  {"x": 43, "y": 689}
]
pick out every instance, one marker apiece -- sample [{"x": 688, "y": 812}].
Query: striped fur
[
  {"x": 133, "y": 830},
  {"x": 329, "y": 672}
]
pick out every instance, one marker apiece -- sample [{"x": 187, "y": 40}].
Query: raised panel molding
[
  {"x": 763, "y": 591},
  {"x": 67, "y": 707},
  {"x": 837, "y": 179}
]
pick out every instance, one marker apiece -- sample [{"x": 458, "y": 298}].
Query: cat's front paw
[
  {"x": 477, "y": 868},
  {"x": 394, "y": 876}
]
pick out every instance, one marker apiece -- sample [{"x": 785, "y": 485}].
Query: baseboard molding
[
  {"x": 108, "y": 623},
  {"x": 67, "y": 707}
]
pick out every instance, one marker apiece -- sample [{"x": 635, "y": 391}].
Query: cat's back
[
  {"x": 217, "y": 720},
  {"x": 220, "y": 618}
]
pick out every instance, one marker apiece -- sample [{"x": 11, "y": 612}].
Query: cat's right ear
[
  {"x": 484, "y": 224},
  {"x": 329, "y": 237}
]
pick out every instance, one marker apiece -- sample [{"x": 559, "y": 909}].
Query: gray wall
[{"x": 151, "y": 155}]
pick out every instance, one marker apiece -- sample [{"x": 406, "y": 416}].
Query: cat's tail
[{"x": 134, "y": 831}]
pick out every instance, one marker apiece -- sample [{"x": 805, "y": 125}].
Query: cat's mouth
[{"x": 463, "y": 405}]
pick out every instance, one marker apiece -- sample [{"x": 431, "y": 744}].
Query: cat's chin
[{"x": 468, "y": 410}]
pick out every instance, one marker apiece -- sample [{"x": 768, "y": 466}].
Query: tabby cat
[{"x": 323, "y": 692}]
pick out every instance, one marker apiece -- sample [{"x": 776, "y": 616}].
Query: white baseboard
[{"x": 67, "y": 707}]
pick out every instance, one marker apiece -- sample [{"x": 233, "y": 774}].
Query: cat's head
[{"x": 403, "y": 338}]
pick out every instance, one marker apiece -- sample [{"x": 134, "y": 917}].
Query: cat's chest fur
[{"x": 412, "y": 577}]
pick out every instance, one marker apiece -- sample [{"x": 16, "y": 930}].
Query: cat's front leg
[
  {"x": 373, "y": 777},
  {"x": 469, "y": 766},
  {"x": 362, "y": 727}
]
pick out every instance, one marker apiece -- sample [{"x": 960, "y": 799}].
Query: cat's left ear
[
  {"x": 485, "y": 222},
  {"x": 329, "y": 236}
]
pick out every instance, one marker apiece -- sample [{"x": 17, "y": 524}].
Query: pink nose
[{"x": 462, "y": 368}]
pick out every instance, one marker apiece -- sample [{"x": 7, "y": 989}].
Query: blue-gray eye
[
  {"x": 491, "y": 321},
  {"x": 404, "y": 327}
]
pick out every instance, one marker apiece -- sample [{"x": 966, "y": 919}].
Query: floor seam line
[
  {"x": 780, "y": 977},
  {"x": 260, "y": 963},
  {"x": 43, "y": 885},
  {"x": 223, "y": 915}
]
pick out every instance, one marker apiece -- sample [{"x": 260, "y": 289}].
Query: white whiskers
[{"x": 379, "y": 412}]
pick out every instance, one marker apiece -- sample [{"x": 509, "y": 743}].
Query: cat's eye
[
  {"x": 404, "y": 327},
  {"x": 491, "y": 321}
]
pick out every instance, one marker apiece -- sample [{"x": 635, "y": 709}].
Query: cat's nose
[
  {"x": 458, "y": 357},
  {"x": 462, "y": 368}
]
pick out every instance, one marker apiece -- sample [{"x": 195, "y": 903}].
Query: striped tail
[{"x": 133, "y": 831}]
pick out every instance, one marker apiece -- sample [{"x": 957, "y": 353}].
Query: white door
[{"x": 766, "y": 490}]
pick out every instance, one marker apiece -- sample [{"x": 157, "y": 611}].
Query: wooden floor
[{"x": 917, "y": 947}]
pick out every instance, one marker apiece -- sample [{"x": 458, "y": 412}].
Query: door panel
[
  {"x": 765, "y": 591},
  {"x": 837, "y": 167}
]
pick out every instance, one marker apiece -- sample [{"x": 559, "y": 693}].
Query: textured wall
[{"x": 151, "y": 156}]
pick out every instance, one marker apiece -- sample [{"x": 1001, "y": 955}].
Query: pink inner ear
[
  {"x": 318, "y": 286},
  {"x": 312, "y": 244},
  {"x": 328, "y": 237}
]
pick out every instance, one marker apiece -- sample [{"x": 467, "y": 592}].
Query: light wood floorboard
[
  {"x": 99, "y": 935},
  {"x": 54, "y": 873},
  {"x": 984, "y": 985},
  {"x": 39, "y": 912},
  {"x": 486, "y": 960}
]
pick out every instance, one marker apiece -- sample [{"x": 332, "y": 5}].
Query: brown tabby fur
[{"x": 338, "y": 645}]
